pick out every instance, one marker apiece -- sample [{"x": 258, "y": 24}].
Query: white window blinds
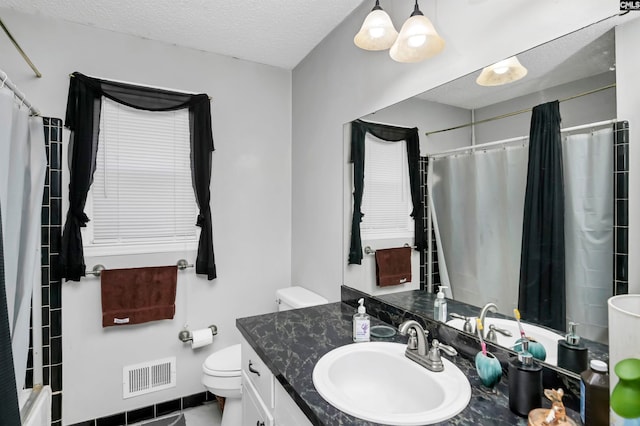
[
  {"x": 386, "y": 201},
  {"x": 142, "y": 191}
]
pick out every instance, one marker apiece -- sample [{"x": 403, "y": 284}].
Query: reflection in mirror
[{"x": 579, "y": 71}]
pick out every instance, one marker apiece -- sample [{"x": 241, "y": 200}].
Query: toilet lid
[{"x": 224, "y": 362}]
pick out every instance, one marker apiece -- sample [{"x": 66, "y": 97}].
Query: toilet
[{"x": 221, "y": 370}]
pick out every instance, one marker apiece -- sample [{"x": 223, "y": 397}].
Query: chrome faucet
[
  {"x": 483, "y": 314},
  {"x": 420, "y": 352},
  {"x": 420, "y": 334}
]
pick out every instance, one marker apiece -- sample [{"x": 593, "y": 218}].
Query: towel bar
[
  {"x": 185, "y": 335},
  {"x": 97, "y": 270},
  {"x": 369, "y": 250}
]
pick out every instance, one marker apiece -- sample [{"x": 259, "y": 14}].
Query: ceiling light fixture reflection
[
  {"x": 418, "y": 39},
  {"x": 503, "y": 72},
  {"x": 377, "y": 31}
]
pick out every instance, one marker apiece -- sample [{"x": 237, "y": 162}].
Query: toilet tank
[{"x": 297, "y": 297}]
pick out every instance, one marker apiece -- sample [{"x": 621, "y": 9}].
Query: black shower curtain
[
  {"x": 393, "y": 134},
  {"x": 542, "y": 297},
  {"x": 83, "y": 119}
]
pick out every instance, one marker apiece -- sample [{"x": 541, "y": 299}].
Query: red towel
[
  {"x": 393, "y": 266},
  {"x": 137, "y": 295}
]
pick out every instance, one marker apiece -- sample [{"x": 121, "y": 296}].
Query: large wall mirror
[{"x": 577, "y": 69}]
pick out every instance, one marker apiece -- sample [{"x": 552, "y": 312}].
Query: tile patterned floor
[{"x": 203, "y": 415}]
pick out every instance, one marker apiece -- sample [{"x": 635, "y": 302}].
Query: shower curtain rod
[
  {"x": 522, "y": 111},
  {"x": 4, "y": 81},
  {"x": 17, "y": 46},
  {"x": 519, "y": 138}
]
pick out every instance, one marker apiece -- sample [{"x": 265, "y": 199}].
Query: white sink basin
[
  {"x": 548, "y": 338},
  {"x": 375, "y": 381}
]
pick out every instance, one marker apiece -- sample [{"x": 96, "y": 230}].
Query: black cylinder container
[
  {"x": 572, "y": 357},
  {"x": 572, "y": 354},
  {"x": 525, "y": 384}
]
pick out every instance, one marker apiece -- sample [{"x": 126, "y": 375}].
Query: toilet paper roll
[{"x": 201, "y": 338}]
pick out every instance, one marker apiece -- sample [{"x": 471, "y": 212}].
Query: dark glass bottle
[{"x": 594, "y": 394}]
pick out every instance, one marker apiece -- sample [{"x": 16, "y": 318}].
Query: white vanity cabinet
[
  {"x": 264, "y": 400},
  {"x": 254, "y": 410},
  {"x": 286, "y": 412}
]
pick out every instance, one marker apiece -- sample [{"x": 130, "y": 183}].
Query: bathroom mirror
[{"x": 578, "y": 69}]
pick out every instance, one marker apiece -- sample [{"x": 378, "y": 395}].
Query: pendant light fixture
[
  {"x": 503, "y": 72},
  {"x": 377, "y": 32},
  {"x": 418, "y": 39}
]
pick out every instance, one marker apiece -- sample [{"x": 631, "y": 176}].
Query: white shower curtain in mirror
[
  {"x": 588, "y": 229},
  {"x": 22, "y": 173},
  {"x": 477, "y": 202}
]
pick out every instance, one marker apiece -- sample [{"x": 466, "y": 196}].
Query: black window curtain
[
  {"x": 542, "y": 295},
  {"x": 393, "y": 134},
  {"x": 83, "y": 119}
]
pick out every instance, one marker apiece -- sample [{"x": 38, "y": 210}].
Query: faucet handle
[
  {"x": 491, "y": 335},
  {"x": 434, "y": 360},
  {"x": 467, "y": 327},
  {"x": 437, "y": 347}
]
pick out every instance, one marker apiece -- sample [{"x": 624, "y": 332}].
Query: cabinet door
[
  {"x": 287, "y": 412},
  {"x": 254, "y": 410},
  {"x": 258, "y": 373}
]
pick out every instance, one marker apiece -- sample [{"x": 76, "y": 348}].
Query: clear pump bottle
[
  {"x": 440, "y": 306},
  {"x": 361, "y": 324}
]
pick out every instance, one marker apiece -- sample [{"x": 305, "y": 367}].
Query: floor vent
[{"x": 148, "y": 377}]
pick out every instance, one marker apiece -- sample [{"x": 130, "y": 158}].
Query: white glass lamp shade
[
  {"x": 417, "y": 41},
  {"x": 377, "y": 32},
  {"x": 502, "y": 72}
]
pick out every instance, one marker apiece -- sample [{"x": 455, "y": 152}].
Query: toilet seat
[{"x": 224, "y": 363}]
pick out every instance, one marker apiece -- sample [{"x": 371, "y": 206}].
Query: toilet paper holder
[{"x": 185, "y": 335}]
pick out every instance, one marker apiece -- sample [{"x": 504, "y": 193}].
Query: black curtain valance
[
  {"x": 393, "y": 134},
  {"x": 83, "y": 120},
  {"x": 542, "y": 294}
]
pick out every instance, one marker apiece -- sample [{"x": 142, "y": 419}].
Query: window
[
  {"x": 386, "y": 200},
  {"x": 142, "y": 191}
]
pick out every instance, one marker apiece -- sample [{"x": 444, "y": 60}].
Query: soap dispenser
[
  {"x": 361, "y": 324},
  {"x": 440, "y": 306},
  {"x": 525, "y": 382},
  {"x": 572, "y": 354}
]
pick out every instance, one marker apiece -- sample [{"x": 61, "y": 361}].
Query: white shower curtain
[
  {"x": 22, "y": 174},
  {"x": 477, "y": 202},
  {"x": 588, "y": 229}
]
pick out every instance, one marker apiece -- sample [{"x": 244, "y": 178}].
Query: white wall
[
  {"x": 599, "y": 106},
  {"x": 628, "y": 104},
  {"x": 425, "y": 116},
  {"x": 338, "y": 82},
  {"x": 251, "y": 203}
]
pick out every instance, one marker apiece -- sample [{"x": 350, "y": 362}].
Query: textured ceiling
[
  {"x": 581, "y": 54},
  {"x": 274, "y": 32}
]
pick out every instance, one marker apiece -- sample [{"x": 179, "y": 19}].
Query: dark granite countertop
[{"x": 291, "y": 342}]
